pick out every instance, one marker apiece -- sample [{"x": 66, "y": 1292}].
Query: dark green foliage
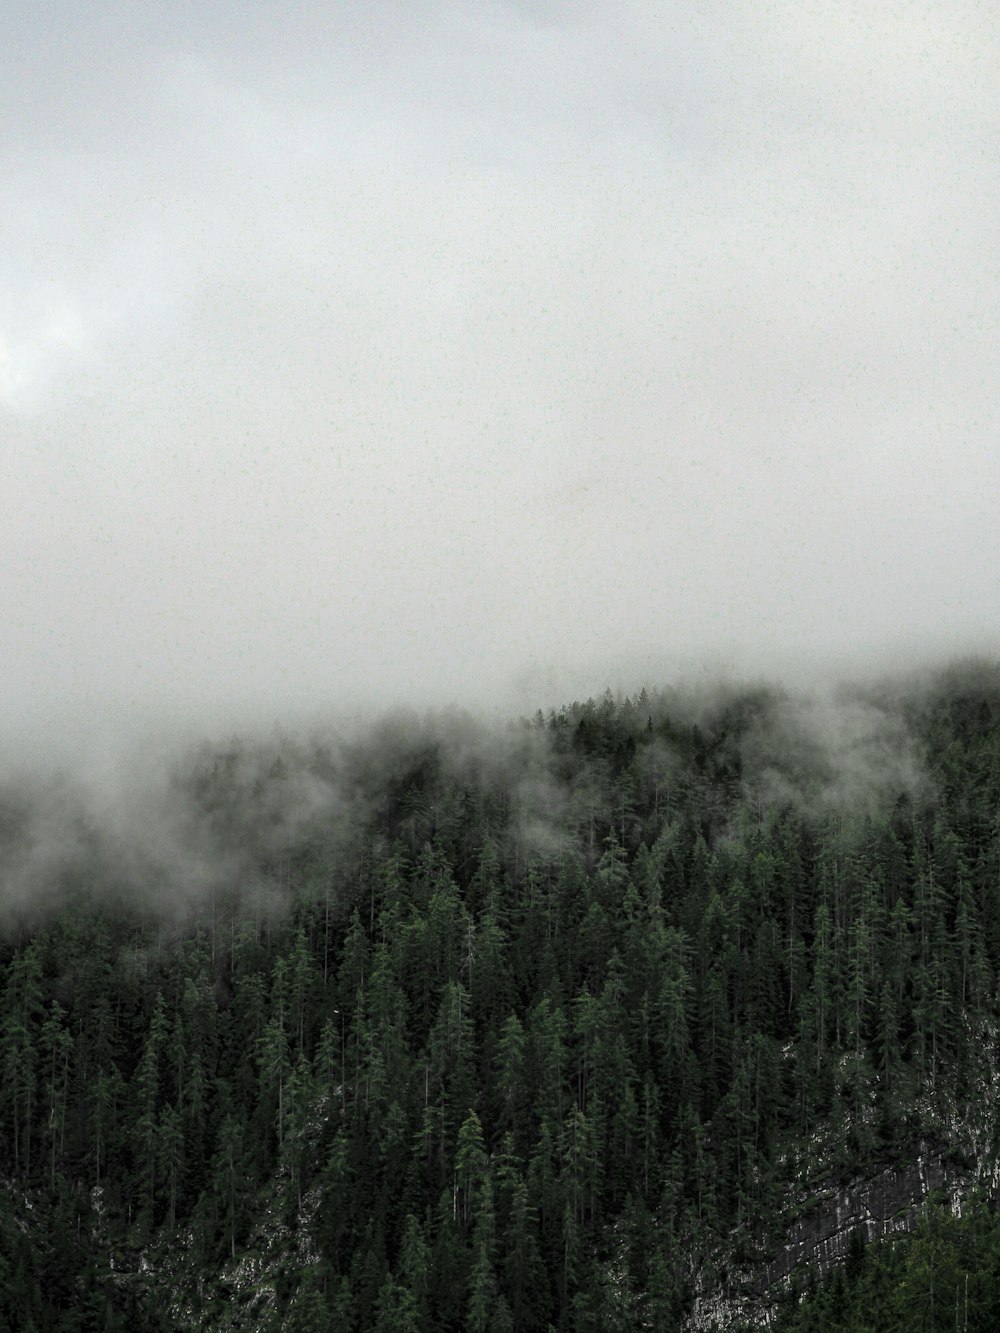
[
  {"x": 945, "y": 1276},
  {"x": 556, "y": 1030}
]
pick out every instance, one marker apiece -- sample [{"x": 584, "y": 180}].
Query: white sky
[{"x": 426, "y": 352}]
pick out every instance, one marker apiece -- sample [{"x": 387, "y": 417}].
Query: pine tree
[
  {"x": 56, "y": 1049},
  {"x": 170, "y": 1167},
  {"x": 146, "y": 1085},
  {"x": 308, "y": 1312},
  {"x": 229, "y": 1180},
  {"x": 22, "y": 1008}
]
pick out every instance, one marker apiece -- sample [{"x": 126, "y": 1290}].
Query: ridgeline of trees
[{"x": 553, "y": 1027}]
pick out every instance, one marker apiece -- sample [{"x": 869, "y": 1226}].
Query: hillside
[{"x": 616, "y": 1018}]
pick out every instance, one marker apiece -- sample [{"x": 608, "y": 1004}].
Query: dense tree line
[{"x": 553, "y": 1026}]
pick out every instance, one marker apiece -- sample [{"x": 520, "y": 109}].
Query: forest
[{"x": 553, "y": 1025}]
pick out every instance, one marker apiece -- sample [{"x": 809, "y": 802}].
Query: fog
[
  {"x": 487, "y": 354},
  {"x": 176, "y": 828}
]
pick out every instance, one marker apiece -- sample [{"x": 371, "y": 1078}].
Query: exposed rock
[{"x": 882, "y": 1205}]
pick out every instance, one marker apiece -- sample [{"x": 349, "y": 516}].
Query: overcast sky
[{"x": 417, "y": 352}]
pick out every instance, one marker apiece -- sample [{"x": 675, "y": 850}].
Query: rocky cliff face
[
  {"x": 958, "y": 1154},
  {"x": 883, "y": 1205}
]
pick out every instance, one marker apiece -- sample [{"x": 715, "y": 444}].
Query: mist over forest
[{"x": 173, "y": 822}]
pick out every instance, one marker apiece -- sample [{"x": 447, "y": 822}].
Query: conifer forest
[{"x": 583, "y": 1022}]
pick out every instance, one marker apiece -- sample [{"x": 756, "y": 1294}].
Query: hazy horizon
[{"x": 488, "y": 355}]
